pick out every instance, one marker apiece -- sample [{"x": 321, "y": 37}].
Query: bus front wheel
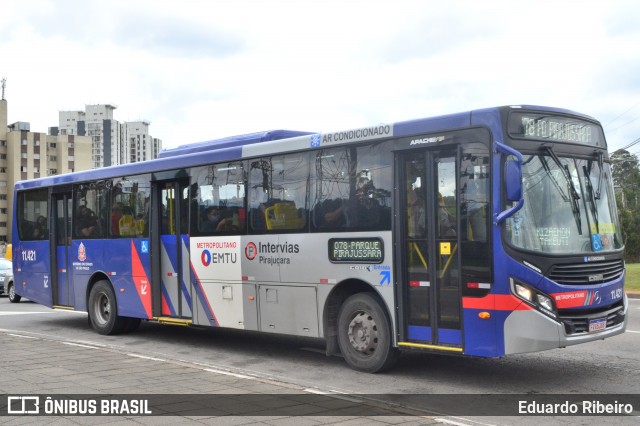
[
  {"x": 103, "y": 310},
  {"x": 364, "y": 334}
]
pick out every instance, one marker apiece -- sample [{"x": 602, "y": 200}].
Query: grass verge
[{"x": 632, "y": 278}]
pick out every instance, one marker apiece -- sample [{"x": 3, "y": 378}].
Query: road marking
[
  {"x": 23, "y": 336},
  {"x": 23, "y": 313},
  {"x": 64, "y": 311},
  {"x": 632, "y": 331},
  {"x": 228, "y": 373},
  {"x": 451, "y": 422},
  {"x": 80, "y": 345},
  {"x": 150, "y": 358}
]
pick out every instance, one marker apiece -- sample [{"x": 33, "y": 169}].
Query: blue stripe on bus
[
  {"x": 167, "y": 299},
  {"x": 452, "y": 337},
  {"x": 183, "y": 282},
  {"x": 417, "y": 332}
]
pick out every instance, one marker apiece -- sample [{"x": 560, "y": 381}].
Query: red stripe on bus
[
  {"x": 141, "y": 281},
  {"x": 495, "y": 302}
]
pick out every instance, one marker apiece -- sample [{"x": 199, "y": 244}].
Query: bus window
[
  {"x": 474, "y": 218},
  {"x": 278, "y": 188},
  {"x": 90, "y": 210},
  {"x": 352, "y": 188},
  {"x": 129, "y": 206},
  {"x": 218, "y": 199},
  {"x": 32, "y": 215}
]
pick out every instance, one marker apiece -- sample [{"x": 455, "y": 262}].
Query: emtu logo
[
  {"x": 251, "y": 251},
  {"x": 205, "y": 257}
]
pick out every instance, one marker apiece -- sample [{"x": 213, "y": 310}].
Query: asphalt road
[{"x": 604, "y": 367}]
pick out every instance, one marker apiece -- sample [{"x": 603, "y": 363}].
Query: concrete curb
[{"x": 633, "y": 294}]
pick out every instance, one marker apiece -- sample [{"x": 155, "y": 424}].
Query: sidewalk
[{"x": 179, "y": 393}]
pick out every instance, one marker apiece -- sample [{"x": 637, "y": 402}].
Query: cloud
[
  {"x": 174, "y": 37},
  {"x": 137, "y": 26}
]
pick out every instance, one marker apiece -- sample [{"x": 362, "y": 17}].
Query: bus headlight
[
  {"x": 545, "y": 302},
  {"x": 533, "y": 297},
  {"x": 523, "y": 292}
]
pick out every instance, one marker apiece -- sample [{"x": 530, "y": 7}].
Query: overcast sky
[{"x": 210, "y": 69}]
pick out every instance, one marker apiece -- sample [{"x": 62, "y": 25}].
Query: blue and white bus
[{"x": 483, "y": 233}]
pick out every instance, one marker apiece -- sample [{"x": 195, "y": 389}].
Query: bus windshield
[{"x": 569, "y": 206}]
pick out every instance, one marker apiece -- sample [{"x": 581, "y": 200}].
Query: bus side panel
[
  {"x": 32, "y": 274},
  {"x": 485, "y": 336},
  {"x": 132, "y": 282},
  {"x": 125, "y": 262},
  {"x": 219, "y": 298},
  {"x": 480, "y": 334},
  {"x": 86, "y": 258}
]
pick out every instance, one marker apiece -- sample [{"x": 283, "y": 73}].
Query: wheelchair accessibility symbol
[{"x": 596, "y": 243}]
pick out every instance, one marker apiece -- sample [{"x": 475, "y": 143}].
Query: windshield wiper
[
  {"x": 600, "y": 166},
  {"x": 592, "y": 195},
  {"x": 575, "y": 206},
  {"x": 547, "y": 169}
]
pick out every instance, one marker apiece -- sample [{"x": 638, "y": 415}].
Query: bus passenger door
[
  {"x": 61, "y": 278},
  {"x": 428, "y": 255},
  {"x": 172, "y": 290}
]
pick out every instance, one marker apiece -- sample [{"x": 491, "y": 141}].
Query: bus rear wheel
[
  {"x": 364, "y": 334},
  {"x": 103, "y": 310}
]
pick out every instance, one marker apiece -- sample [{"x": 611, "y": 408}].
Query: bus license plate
[{"x": 597, "y": 324}]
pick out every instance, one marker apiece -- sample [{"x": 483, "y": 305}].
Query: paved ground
[{"x": 37, "y": 366}]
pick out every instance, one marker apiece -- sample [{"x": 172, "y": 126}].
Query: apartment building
[
  {"x": 30, "y": 155},
  {"x": 112, "y": 142},
  {"x": 137, "y": 144}
]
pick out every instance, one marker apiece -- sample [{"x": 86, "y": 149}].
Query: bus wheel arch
[
  {"x": 102, "y": 307},
  {"x": 355, "y": 308}
]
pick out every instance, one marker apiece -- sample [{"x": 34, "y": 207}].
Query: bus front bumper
[{"x": 532, "y": 331}]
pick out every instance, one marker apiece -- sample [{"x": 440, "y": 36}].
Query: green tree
[{"x": 626, "y": 179}]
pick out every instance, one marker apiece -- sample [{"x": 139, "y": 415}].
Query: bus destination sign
[
  {"x": 555, "y": 128},
  {"x": 356, "y": 250}
]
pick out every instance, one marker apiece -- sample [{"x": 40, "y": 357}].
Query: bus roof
[
  {"x": 231, "y": 141},
  {"x": 278, "y": 141}
]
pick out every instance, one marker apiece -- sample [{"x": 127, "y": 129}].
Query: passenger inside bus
[
  {"x": 214, "y": 221},
  {"x": 87, "y": 222},
  {"x": 116, "y": 214},
  {"x": 361, "y": 210},
  {"x": 40, "y": 228}
]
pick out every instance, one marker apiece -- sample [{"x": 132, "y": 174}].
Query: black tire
[
  {"x": 11, "y": 291},
  {"x": 103, "y": 310},
  {"x": 364, "y": 334}
]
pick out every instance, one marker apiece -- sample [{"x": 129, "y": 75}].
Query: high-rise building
[
  {"x": 29, "y": 155},
  {"x": 113, "y": 142},
  {"x": 137, "y": 144}
]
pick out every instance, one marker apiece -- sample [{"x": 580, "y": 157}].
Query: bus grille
[
  {"x": 577, "y": 322},
  {"x": 587, "y": 273}
]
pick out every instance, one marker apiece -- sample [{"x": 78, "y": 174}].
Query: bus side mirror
[{"x": 513, "y": 180}]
